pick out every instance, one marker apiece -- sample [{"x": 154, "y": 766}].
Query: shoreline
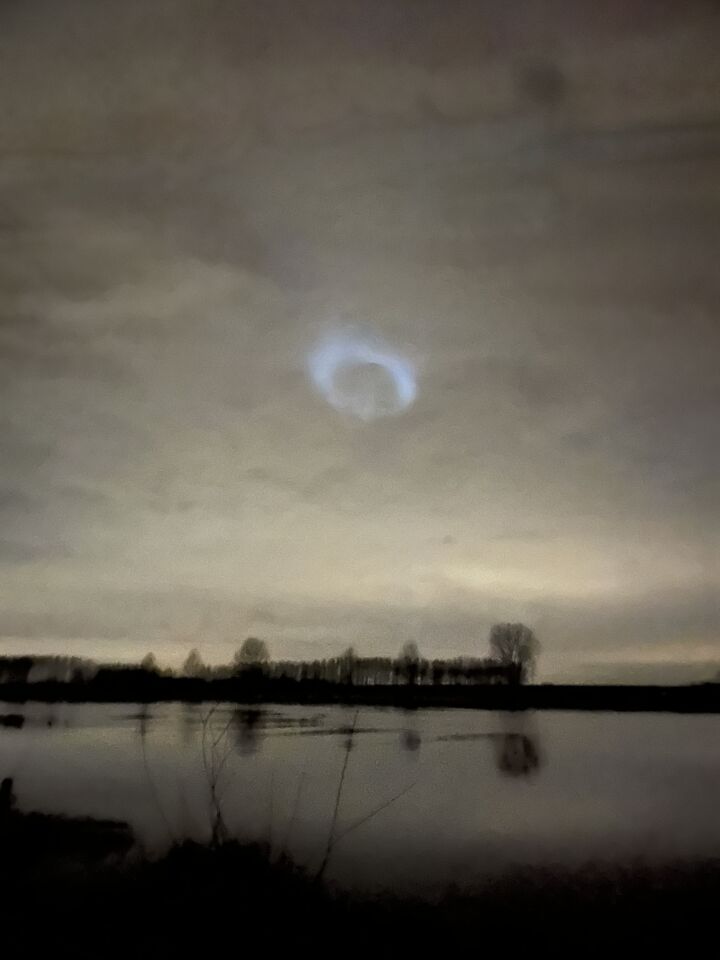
[{"x": 700, "y": 698}]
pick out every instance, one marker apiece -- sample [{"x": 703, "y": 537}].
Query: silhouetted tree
[
  {"x": 251, "y": 658},
  {"x": 439, "y": 669},
  {"x": 515, "y": 646},
  {"x": 15, "y": 669},
  {"x": 78, "y": 676},
  {"x": 409, "y": 662},
  {"x": 193, "y": 666},
  {"x": 348, "y": 660},
  {"x": 149, "y": 663},
  {"x": 454, "y": 672},
  {"x": 215, "y": 754}
]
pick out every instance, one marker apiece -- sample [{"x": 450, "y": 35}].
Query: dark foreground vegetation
[
  {"x": 74, "y": 889},
  {"x": 134, "y": 685}
]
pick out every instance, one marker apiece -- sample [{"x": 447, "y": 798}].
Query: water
[{"x": 477, "y": 792}]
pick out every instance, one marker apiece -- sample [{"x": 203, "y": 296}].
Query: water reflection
[
  {"x": 516, "y": 754},
  {"x": 190, "y": 721},
  {"x": 517, "y": 751},
  {"x": 410, "y": 740},
  {"x": 584, "y": 804},
  {"x": 144, "y": 720},
  {"x": 248, "y": 726},
  {"x": 350, "y": 732}
]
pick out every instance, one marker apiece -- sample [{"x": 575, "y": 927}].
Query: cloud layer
[{"x": 525, "y": 205}]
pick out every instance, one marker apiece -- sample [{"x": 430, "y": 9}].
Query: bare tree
[
  {"x": 335, "y": 836},
  {"x": 409, "y": 662},
  {"x": 515, "y": 646},
  {"x": 439, "y": 672},
  {"x": 348, "y": 661},
  {"x": 252, "y": 654},
  {"x": 193, "y": 666},
  {"x": 149, "y": 663},
  {"x": 251, "y": 658},
  {"x": 215, "y": 755}
]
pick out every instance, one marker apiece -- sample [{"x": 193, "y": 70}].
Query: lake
[{"x": 428, "y": 798}]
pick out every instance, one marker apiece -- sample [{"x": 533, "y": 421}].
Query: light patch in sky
[{"x": 360, "y": 374}]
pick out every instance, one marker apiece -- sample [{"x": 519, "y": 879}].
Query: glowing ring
[{"x": 343, "y": 351}]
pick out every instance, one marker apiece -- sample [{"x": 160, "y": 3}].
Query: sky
[{"x": 516, "y": 207}]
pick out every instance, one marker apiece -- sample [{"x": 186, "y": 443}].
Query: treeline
[
  {"x": 252, "y": 661},
  {"x": 347, "y": 668},
  {"x": 39, "y": 669},
  {"x": 513, "y": 651}
]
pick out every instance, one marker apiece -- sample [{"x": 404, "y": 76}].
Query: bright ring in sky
[{"x": 361, "y": 375}]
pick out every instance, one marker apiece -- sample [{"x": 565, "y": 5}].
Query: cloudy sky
[{"x": 518, "y": 202}]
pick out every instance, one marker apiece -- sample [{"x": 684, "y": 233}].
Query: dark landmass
[
  {"x": 203, "y": 900},
  {"x": 47, "y": 841},
  {"x": 14, "y": 720},
  {"x": 137, "y": 686}
]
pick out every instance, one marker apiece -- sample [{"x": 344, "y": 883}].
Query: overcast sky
[{"x": 520, "y": 202}]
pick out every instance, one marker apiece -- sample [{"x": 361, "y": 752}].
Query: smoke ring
[{"x": 344, "y": 351}]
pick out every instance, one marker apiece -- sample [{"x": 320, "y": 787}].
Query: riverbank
[
  {"x": 700, "y": 698},
  {"x": 85, "y": 888},
  {"x": 198, "y": 900}
]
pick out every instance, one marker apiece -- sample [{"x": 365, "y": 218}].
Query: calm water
[{"x": 482, "y": 791}]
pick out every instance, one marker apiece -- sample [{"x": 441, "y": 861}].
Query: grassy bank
[
  {"x": 196, "y": 900},
  {"x": 199, "y": 900}
]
